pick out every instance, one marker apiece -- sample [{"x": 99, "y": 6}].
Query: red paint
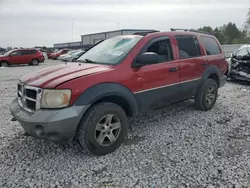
[
  {"x": 79, "y": 77},
  {"x": 21, "y": 58},
  {"x": 58, "y": 53}
]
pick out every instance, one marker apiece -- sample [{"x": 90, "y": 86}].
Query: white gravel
[{"x": 176, "y": 146}]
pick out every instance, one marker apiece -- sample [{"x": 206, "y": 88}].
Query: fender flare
[
  {"x": 99, "y": 91},
  {"x": 209, "y": 71}
]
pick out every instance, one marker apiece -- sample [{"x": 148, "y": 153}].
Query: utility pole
[
  {"x": 118, "y": 25},
  {"x": 72, "y": 30}
]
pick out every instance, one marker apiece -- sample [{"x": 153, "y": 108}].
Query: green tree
[{"x": 206, "y": 29}]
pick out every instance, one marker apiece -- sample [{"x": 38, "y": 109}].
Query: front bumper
[
  {"x": 56, "y": 125},
  {"x": 240, "y": 76}
]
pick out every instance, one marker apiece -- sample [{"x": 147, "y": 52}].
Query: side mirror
[{"x": 146, "y": 58}]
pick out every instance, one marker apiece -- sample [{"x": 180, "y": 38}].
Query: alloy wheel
[
  {"x": 107, "y": 130},
  {"x": 211, "y": 95}
]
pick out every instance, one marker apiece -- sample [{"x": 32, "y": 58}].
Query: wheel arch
[
  {"x": 212, "y": 72},
  {"x": 109, "y": 92}
]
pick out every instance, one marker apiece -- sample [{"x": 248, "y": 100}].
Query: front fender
[{"x": 99, "y": 91}]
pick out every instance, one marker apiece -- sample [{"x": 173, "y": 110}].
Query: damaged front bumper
[{"x": 239, "y": 69}]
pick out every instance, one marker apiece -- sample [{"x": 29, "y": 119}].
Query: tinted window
[
  {"x": 16, "y": 53},
  {"x": 188, "y": 46},
  {"x": 163, "y": 49},
  {"x": 28, "y": 52},
  {"x": 211, "y": 46}
]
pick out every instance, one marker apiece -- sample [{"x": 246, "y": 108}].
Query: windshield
[
  {"x": 71, "y": 52},
  {"x": 9, "y": 52},
  {"x": 110, "y": 51}
]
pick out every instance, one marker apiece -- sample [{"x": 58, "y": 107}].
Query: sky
[{"x": 29, "y": 23}]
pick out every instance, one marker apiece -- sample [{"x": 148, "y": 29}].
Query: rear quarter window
[{"x": 211, "y": 46}]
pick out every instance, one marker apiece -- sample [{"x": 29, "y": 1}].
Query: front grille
[
  {"x": 28, "y": 97},
  {"x": 31, "y": 93}
]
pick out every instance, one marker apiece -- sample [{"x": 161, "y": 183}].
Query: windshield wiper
[
  {"x": 89, "y": 61},
  {"x": 82, "y": 61},
  {"x": 86, "y": 61}
]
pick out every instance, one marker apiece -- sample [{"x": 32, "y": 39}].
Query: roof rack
[
  {"x": 191, "y": 30},
  {"x": 144, "y": 33}
]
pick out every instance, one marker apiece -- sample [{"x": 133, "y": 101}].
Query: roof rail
[
  {"x": 144, "y": 33},
  {"x": 191, "y": 30}
]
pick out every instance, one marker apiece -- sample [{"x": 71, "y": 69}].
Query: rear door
[
  {"x": 192, "y": 63},
  {"x": 158, "y": 83},
  {"x": 27, "y": 56},
  {"x": 214, "y": 52}
]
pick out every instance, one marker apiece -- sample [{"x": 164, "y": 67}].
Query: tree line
[{"x": 229, "y": 33}]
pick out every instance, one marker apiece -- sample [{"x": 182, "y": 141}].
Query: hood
[
  {"x": 53, "y": 76},
  {"x": 1, "y": 56}
]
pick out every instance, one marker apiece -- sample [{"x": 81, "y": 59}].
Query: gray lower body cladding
[{"x": 56, "y": 125}]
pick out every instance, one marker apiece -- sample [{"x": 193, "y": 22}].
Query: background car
[
  {"x": 74, "y": 56},
  {"x": 22, "y": 56},
  {"x": 58, "y": 53},
  {"x": 63, "y": 56},
  {"x": 239, "y": 64}
]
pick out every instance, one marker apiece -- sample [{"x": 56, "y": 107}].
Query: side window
[
  {"x": 211, "y": 46},
  {"x": 188, "y": 46},
  {"x": 32, "y": 51},
  {"x": 162, "y": 48},
  {"x": 26, "y": 52},
  {"x": 16, "y": 53}
]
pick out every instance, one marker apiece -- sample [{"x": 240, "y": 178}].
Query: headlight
[{"x": 55, "y": 98}]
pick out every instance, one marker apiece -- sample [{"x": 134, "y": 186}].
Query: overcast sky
[{"x": 26, "y": 23}]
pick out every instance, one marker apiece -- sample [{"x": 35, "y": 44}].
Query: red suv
[
  {"x": 21, "y": 56},
  {"x": 120, "y": 77},
  {"x": 58, "y": 53}
]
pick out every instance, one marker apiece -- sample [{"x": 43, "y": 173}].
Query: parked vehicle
[
  {"x": 73, "y": 57},
  {"x": 58, "y": 53},
  {"x": 22, "y": 56},
  {"x": 62, "y": 57},
  {"x": 239, "y": 64},
  {"x": 120, "y": 77}
]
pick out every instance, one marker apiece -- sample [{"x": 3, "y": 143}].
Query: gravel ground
[{"x": 175, "y": 146}]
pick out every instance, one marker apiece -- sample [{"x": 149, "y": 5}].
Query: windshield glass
[
  {"x": 71, "y": 52},
  {"x": 59, "y": 51},
  {"x": 9, "y": 52},
  {"x": 111, "y": 51}
]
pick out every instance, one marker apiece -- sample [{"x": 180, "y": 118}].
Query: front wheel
[
  {"x": 206, "y": 95},
  {"x": 102, "y": 129},
  {"x": 4, "y": 64},
  {"x": 34, "y": 62}
]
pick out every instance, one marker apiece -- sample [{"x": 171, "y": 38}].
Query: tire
[
  {"x": 206, "y": 95},
  {"x": 74, "y": 60},
  {"x": 94, "y": 130},
  {"x": 34, "y": 62},
  {"x": 4, "y": 64}
]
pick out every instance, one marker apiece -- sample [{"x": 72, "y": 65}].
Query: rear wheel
[
  {"x": 74, "y": 60},
  {"x": 102, "y": 129},
  {"x": 206, "y": 95},
  {"x": 34, "y": 62}
]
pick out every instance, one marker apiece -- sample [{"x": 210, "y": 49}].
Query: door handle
[
  {"x": 204, "y": 64},
  {"x": 173, "y": 69}
]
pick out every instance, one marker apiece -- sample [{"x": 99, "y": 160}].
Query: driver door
[
  {"x": 16, "y": 57},
  {"x": 158, "y": 84}
]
